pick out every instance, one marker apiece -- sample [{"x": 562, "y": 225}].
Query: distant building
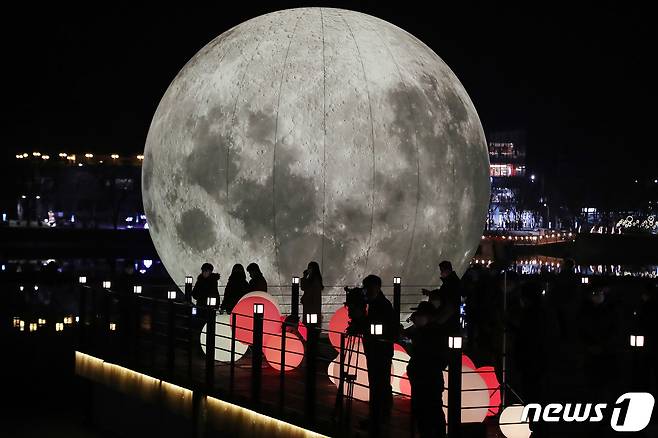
[{"x": 510, "y": 204}]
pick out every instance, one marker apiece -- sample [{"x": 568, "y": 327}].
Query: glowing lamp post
[
  {"x": 211, "y": 301},
  {"x": 68, "y": 320},
  {"x": 21, "y": 288},
  {"x": 188, "y": 289},
  {"x": 137, "y": 289},
  {"x": 33, "y": 326},
  {"x": 82, "y": 280},
  {"x": 194, "y": 311},
  {"x": 637, "y": 341},
  {"x": 113, "y": 326},
  {"x": 311, "y": 318},
  {"x": 21, "y": 325},
  {"x": 257, "y": 354},
  {"x": 454, "y": 385},
  {"x": 171, "y": 295},
  {"x": 376, "y": 329},
  {"x": 107, "y": 284},
  {"x": 294, "y": 303},
  {"x": 59, "y": 327},
  {"x": 41, "y": 322},
  {"x": 397, "y": 294},
  {"x": 455, "y": 342},
  {"x": 584, "y": 280}
]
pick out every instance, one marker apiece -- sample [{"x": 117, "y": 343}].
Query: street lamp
[
  {"x": 455, "y": 342},
  {"x": 82, "y": 280},
  {"x": 137, "y": 289},
  {"x": 637, "y": 341},
  {"x": 376, "y": 329},
  {"x": 311, "y": 318},
  {"x": 107, "y": 284},
  {"x": 171, "y": 294},
  {"x": 211, "y": 301}
]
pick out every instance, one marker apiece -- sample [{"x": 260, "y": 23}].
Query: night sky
[{"x": 576, "y": 80}]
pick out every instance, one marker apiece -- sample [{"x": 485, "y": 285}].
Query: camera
[{"x": 355, "y": 301}]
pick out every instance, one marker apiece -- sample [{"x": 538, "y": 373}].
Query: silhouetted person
[
  {"x": 206, "y": 286},
  {"x": 600, "y": 331},
  {"x": 257, "y": 282},
  {"x": 450, "y": 296},
  {"x": 428, "y": 358},
  {"x": 379, "y": 352},
  {"x": 563, "y": 297},
  {"x": 311, "y": 284},
  {"x": 236, "y": 288},
  {"x": 533, "y": 341}
]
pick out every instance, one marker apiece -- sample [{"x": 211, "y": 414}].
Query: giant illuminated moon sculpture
[{"x": 316, "y": 134}]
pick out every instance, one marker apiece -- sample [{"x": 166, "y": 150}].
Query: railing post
[
  {"x": 188, "y": 289},
  {"x": 282, "y": 372},
  {"x": 233, "y": 320},
  {"x": 311, "y": 363},
  {"x": 397, "y": 293},
  {"x": 210, "y": 348},
  {"x": 171, "y": 337},
  {"x": 191, "y": 338},
  {"x": 294, "y": 303},
  {"x": 454, "y": 386},
  {"x": 257, "y": 354},
  {"x": 341, "y": 381},
  {"x": 82, "y": 314},
  {"x": 135, "y": 320}
]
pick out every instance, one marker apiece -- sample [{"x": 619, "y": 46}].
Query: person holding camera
[
  {"x": 378, "y": 348},
  {"x": 447, "y": 299}
]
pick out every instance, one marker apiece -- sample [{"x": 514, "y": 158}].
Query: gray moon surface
[{"x": 316, "y": 134}]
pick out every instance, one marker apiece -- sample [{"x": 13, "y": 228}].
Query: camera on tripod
[{"x": 355, "y": 301}]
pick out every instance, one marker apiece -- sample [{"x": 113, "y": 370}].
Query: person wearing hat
[
  {"x": 428, "y": 358},
  {"x": 206, "y": 286}
]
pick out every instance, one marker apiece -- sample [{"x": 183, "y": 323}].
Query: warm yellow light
[
  {"x": 68, "y": 320},
  {"x": 33, "y": 326},
  {"x": 89, "y": 155},
  {"x": 25, "y": 155},
  {"x": 70, "y": 157},
  {"x": 113, "y": 326},
  {"x": 17, "y": 322},
  {"x": 45, "y": 157},
  {"x": 36, "y": 154},
  {"x": 62, "y": 154},
  {"x": 59, "y": 326},
  {"x": 114, "y": 156},
  {"x": 42, "y": 321},
  {"x": 140, "y": 157}
]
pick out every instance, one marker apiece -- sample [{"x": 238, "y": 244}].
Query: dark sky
[{"x": 578, "y": 81}]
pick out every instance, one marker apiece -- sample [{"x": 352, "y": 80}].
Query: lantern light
[
  {"x": 584, "y": 280},
  {"x": 62, "y": 155},
  {"x": 41, "y": 321},
  {"x": 107, "y": 284},
  {"x": 77, "y": 319},
  {"x": 260, "y": 309},
  {"x": 113, "y": 326},
  {"x": 396, "y": 280},
  {"x": 637, "y": 341},
  {"x": 21, "y": 288},
  {"x": 171, "y": 294},
  {"x": 455, "y": 342},
  {"x": 295, "y": 280},
  {"x": 188, "y": 279},
  {"x": 311, "y": 318},
  {"x": 21, "y": 325},
  {"x": 114, "y": 156},
  {"x": 89, "y": 155},
  {"x": 33, "y": 326},
  {"x": 376, "y": 329},
  {"x": 82, "y": 280},
  {"x": 137, "y": 289},
  {"x": 17, "y": 322},
  {"x": 36, "y": 287},
  {"x": 140, "y": 157},
  {"x": 193, "y": 310},
  {"x": 36, "y": 154},
  {"x": 68, "y": 320},
  {"x": 211, "y": 301},
  {"x": 59, "y": 326}
]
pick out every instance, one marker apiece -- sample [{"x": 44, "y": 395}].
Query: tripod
[{"x": 347, "y": 375}]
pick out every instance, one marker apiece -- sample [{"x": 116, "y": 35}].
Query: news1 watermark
[{"x": 630, "y": 413}]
